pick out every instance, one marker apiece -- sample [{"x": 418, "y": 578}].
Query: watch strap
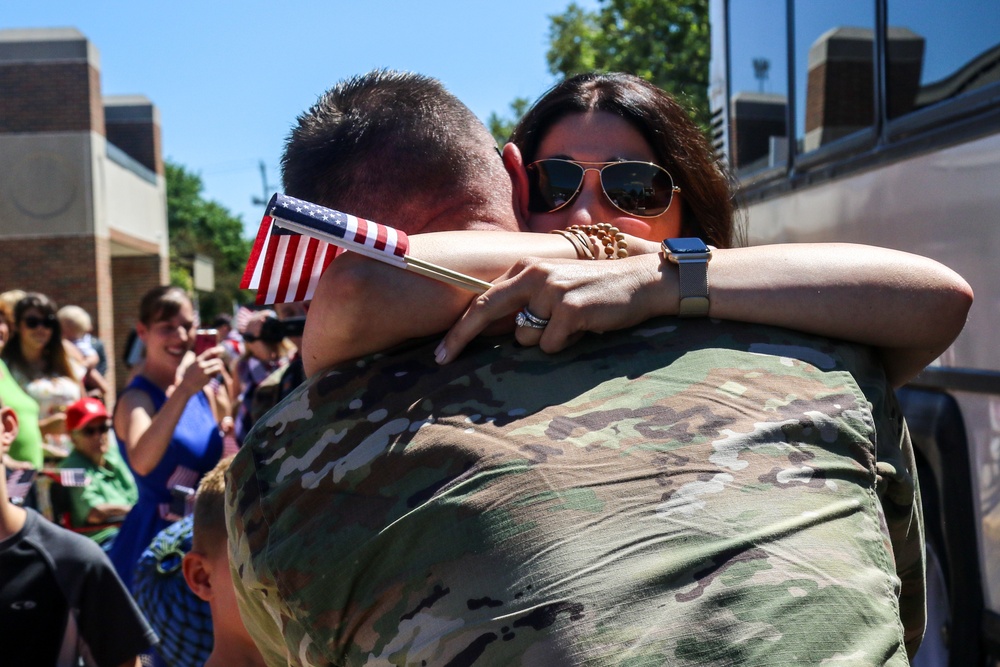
[
  {"x": 693, "y": 287},
  {"x": 692, "y": 272}
]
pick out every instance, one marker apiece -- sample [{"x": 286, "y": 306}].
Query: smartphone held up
[{"x": 205, "y": 339}]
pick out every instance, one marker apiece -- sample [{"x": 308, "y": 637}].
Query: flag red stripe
[
  {"x": 306, "y": 273},
  {"x": 287, "y": 276},
  {"x": 265, "y": 277},
  {"x": 262, "y": 233},
  {"x": 382, "y": 238},
  {"x": 301, "y": 270},
  {"x": 363, "y": 230}
]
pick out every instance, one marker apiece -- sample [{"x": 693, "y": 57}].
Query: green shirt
[
  {"x": 27, "y": 446},
  {"x": 110, "y": 483}
]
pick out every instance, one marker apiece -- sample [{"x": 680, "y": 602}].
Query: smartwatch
[{"x": 691, "y": 256}]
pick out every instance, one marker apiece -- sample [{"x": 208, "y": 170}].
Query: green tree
[
  {"x": 663, "y": 41},
  {"x": 203, "y": 227},
  {"x": 501, "y": 127}
]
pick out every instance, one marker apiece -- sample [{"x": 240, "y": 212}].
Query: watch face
[{"x": 685, "y": 245}]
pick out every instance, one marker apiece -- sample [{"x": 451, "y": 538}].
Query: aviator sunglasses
[
  {"x": 642, "y": 189},
  {"x": 33, "y": 322}
]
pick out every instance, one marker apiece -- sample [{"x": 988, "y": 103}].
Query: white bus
[{"x": 878, "y": 121}]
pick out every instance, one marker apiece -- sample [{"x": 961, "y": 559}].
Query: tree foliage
[
  {"x": 204, "y": 227},
  {"x": 501, "y": 127},
  {"x": 663, "y": 41}
]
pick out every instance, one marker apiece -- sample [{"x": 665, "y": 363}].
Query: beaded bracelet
[{"x": 609, "y": 236}]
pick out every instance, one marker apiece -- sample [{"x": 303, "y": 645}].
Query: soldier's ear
[{"x": 513, "y": 162}]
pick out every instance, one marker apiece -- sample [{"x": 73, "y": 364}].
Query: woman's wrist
[{"x": 659, "y": 287}]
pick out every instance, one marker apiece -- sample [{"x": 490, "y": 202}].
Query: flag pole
[{"x": 444, "y": 275}]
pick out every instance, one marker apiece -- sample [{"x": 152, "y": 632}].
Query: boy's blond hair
[{"x": 209, "y": 530}]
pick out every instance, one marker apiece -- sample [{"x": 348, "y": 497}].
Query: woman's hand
[
  {"x": 201, "y": 370},
  {"x": 575, "y": 296},
  {"x": 14, "y": 464}
]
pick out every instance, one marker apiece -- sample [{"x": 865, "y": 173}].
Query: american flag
[
  {"x": 297, "y": 240},
  {"x": 73, "y": 477}
]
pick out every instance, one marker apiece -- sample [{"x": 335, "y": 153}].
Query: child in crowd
[
  {"x": 84, "y": 348},
  {"x": 61, "y": 602},
  {"x": 206, "y": 570}
]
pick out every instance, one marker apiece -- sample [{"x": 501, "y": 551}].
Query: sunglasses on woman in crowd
[
  {"x": 33, "y": 322},
  {"x": 642, "y": 189}
]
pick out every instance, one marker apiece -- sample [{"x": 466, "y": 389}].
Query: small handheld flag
[{"x": 297, "y": 240}]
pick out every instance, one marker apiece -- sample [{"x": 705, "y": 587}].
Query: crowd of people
[
  {"x": 583, "y": 492},
  {"x": 116, "y": 471}
]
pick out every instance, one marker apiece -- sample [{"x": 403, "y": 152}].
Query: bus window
[
  {"x": 834, "y": 70},
  {"x": 936, "y": 55},
  {"x": 759, "y": 85}
]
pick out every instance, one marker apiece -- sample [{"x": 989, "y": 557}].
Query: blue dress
[{"x": 195, "y": 448}]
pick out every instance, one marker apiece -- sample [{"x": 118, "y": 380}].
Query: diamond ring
[{"x": 525, "y": 318}]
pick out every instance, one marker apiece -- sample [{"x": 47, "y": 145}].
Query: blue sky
[{"x": 229, "y": 78}]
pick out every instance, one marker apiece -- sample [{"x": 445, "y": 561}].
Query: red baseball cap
[{"x": 83, "y": 412}]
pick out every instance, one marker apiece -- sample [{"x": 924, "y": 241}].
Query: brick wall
[
  {"x": 140, "y": 140},
  {"x": 29, "y": 265},
  {"x": 50, "y": 97}
]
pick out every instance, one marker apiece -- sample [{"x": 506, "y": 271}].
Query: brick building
[{"x": 83, "y": 214}]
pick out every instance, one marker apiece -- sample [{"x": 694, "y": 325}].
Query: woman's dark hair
[
  {"x": 680, "y": 146},
  {"x": 162, "y": 303},
  {"x": 53, "y": 354}
]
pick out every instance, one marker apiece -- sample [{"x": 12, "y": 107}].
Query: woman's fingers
[
  {"x": 494, "y": 304},
  {"x": 573, "y": 297},
  {"x": 508, "y": 295}
]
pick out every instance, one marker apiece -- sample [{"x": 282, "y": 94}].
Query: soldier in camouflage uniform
[{"x": 685, "y": 493}]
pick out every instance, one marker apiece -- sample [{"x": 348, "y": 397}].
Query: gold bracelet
[{"x": 580, "y": 241}]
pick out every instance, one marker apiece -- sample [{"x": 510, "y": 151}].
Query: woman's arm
[
  {"x": 362, "y": 306},
  {"x": 146, "y": 432},
  {"x": 910, "y": 307}
]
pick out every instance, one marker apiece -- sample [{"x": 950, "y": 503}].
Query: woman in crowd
[
  {"x": 560, "y": 166},
  {"x": 26, "y": 449},
  {"x": 165, "y": 422},
  {"x": 111, "y": 492},
  {"x": 37, "y": 359}
]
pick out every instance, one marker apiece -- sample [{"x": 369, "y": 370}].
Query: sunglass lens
[
  {"x": 33, "y": 322},
  {"x": 638, "y": 188},
  {"x": 552, "y": 184}
]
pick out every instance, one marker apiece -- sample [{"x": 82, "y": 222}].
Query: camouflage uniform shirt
[{"x": 686, "y": 493}]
